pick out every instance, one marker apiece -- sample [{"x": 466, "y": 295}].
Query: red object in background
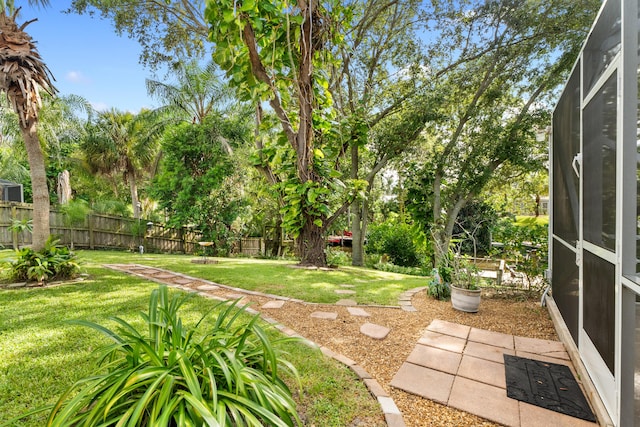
[{"x": 344, "y": 240}]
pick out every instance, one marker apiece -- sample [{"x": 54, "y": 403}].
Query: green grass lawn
[
  {"x": 525, "y": 220},
  {"x": 275, "y": 277},
  {"x": 41, "y": 355}
]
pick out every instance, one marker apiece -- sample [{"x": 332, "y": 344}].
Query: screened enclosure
[{"x": 595, "y": 210}]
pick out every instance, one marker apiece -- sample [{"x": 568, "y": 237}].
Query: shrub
[
  {"x": 395, "y": 240},
  {"x": 526, "y": 244},
  {"x": 171, "y": 374},
  {"x": 438, "y": 288},
  {"x": 337, "y": 257},
  {"x": 53, "y": 262}
]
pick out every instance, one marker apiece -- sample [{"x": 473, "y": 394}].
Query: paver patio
[{"x": 463, "y": 367}]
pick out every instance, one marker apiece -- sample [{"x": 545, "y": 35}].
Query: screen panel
[
  {"x": 603, "y": 44},
  {"x": 566, "y": 145},
  {"x": 599, "y": 305},
  {"x": 565, "y": 286},
  {"x": 599, "y": 165}
]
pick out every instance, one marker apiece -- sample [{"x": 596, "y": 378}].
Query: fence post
[
  {"x": 91, "y": 238},
  {"x": 14, "y": 232}
]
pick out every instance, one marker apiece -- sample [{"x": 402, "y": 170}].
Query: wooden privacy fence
[{"x": 98, "y": 231}]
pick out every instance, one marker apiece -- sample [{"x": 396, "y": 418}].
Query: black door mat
[{"x": 548, "y": 385}]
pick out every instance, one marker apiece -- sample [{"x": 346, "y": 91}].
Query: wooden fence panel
[{"x": 99, "y": 231}]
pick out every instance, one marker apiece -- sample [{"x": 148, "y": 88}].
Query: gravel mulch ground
[{"x": 383, "y": 358}]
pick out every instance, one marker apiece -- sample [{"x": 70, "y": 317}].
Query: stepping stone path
[
  {"x": 324, "y": 315},
  {"x": 354, "y": 311},
  {"x": 375, "y": 331},
  {"x": 405, "y": 299},
  {"x": 207, "y": 287},
  {"x": 392, "y": 415},
  {"x": 347, "y": 302},
  {"x": 235, "y": 296},
  {"x": 273, "y": 304}
]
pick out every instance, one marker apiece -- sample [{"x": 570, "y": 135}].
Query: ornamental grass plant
[{"x": 220, "y": 373}]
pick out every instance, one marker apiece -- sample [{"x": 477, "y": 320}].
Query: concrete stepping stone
[
  {"x": 182, "y": 281},
  {"x": 148, "y": 271},
  {"x": 355, "y": 311},
  {"x": 347, "y": 302},
  {"x": 344, "y": 291},
  {"x": 375, "y": 331},
  {"x": 235, "y": 296},
  {"x": 328, "y": 315},
  {"x": 206, "y": 287},
  {"x": 164, "y": 276},
  {"x": 273, "y": 304}
]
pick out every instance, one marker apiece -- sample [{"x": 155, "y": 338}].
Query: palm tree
[
  {"x": 197, "y": 93},
  {"x": 124, "y": 143},
  {"x": 22, "y": 75}
]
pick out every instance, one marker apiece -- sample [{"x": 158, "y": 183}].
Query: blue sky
[{"x": 88, "y": 58}]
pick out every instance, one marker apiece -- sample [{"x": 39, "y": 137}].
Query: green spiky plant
[{"x": 174, "y": 375}]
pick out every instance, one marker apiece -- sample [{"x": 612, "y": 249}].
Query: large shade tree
[
  {"x": 22, "y": 75},
  {"x": 500, "y": 64},
  {"x": 279, "y": 52}
]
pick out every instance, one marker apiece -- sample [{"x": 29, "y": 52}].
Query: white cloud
[{"x": 76, "y": 77}]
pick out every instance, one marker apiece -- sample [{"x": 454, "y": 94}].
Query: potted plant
[{"x": 464, "y": 282}]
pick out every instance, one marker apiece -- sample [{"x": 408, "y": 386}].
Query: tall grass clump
[{"x": 221, "y": 373}]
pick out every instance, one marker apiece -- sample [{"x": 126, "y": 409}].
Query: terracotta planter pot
[{"x": 465, "y": 299}]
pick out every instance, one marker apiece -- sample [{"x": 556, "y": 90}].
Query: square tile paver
[
  {"x": 535, "y": 416},
  {"x": 448, "y": 328},
  {"x": 485, "y": 401},
  {"x": 487, "y": 352},
  {"x": 537, "y": 346},
  {"x": 344, "y": 292},
  {"x": 425, "y": 382},
  {"x": 495, "y": 339},
  {"x": 444, "y": 342},
  {"x": 435, "y": 358},
  {"x": 485, "y": 371}
]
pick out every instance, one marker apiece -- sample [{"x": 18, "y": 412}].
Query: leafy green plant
[
  {"x": 394, "y": 239},
  {"x": 438, "y": 288},
  {"x": 228, "y": 374},
  {"x": 20, "y": 226},
  {"x": 75, "y": 213},
  {"x": 51, "y": 263},
  {"x": 525, "y": 246},
  {"x": 337, "y": 257}
]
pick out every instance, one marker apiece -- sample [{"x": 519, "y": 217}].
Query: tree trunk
[
  {"x": 311, "y": 244},
  {"x": 64, "y": 187},
  {"x": 41, "y": 230},
  {"x": 357, "y": 246},
  {"x": 133, "y": 186}
]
